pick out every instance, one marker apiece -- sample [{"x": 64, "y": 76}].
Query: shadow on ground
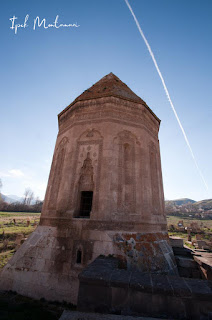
[{"x": 16, "y": 307}]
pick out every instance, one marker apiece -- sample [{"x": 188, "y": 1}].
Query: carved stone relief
[{"x": 86, "y": 175}]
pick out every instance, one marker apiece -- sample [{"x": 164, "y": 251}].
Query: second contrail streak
[{"x": 166, "y": 91}]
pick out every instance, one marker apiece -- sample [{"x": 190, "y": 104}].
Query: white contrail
[{"x": 166, "y": 91}]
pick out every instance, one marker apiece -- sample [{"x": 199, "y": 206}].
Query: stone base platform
[
  {"x": 47, "y": 266},
  {"x": 105, "y": 288}
]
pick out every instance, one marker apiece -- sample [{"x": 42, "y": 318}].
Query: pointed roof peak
[
  {"x": 109, "y": 85},
  {"x": 110, "y": 75}
]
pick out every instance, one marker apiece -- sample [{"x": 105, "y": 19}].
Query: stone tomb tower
[{"x": 104, "y": 196}]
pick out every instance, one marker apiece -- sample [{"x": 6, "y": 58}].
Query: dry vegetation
[
  {"x": 204, "y": 226},
  {"x": 13, "y": 224},
  {"x": 206, "y": 223}
]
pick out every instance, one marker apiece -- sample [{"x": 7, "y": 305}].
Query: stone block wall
[
  {"x": 107, "y": 289},
  {"x": 41, "y": 268}
]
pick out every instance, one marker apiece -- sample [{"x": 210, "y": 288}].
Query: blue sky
[{"x": 42, "y": 71}]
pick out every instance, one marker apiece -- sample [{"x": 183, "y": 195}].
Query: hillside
[
  {"x": 179, "y": 202},
  {"x": 204, "y": 204},
  {"x": 189, "y": 206}
]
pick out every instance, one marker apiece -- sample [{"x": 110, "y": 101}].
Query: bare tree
[
  {"x": 28, "y": 196},
  {"x": 26, "y": 192},
  {"x": 37, "y": 200}
]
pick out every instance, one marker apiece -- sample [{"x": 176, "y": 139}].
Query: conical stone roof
[{"x": 109, "y": 85}]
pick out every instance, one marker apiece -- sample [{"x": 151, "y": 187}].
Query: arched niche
[
  {"x": 85, "y": 189},
  {"x": 125, "y": 144},
  {"x": 154, "y": 174},
  {"x": 84, "y": 185},
  {"x": 56, "y": 174},
  {"x": 90, "y": 134}
]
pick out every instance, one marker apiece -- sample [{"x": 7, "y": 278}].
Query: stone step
[{"x": 75, "y": 315}]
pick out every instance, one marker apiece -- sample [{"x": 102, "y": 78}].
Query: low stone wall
[
  {"x": 191, "y": 263},
  {"x": 188, "y": 267},
  {"x": 204, "y": 262},
  {"x": 105, "y": 288}
]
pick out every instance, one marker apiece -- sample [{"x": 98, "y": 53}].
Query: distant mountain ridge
[
  {"x": 188, "y": 205},
  {"x": 11, "y": 198}
]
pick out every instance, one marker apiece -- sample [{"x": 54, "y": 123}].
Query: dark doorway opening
[
  {"x": 86, "y": 203},
  {"x": 79, "y": 256}
]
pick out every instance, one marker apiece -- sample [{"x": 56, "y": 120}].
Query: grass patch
[
  {"x": 206, "y": 223},
  {"x": 5, "y": 257},
  {"x": 14, "y": 230},
  {"x": 178, "y": 234},
  {"x": 188, "y": 244},
  {"x": 15, "y": 214}
]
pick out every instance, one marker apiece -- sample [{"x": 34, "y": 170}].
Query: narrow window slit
[
  {"x": 86, "y": 203},
  {"x": 79, "y": 256}
]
